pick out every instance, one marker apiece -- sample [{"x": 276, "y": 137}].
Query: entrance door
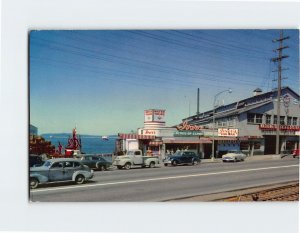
[{"x": 270, "y": 144}]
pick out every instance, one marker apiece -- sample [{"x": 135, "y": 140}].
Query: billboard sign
[
  {"x": 155, "y": 115},
  {"x": 223, "y": 132}
]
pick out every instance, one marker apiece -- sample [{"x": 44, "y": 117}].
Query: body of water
[{"x": 90, "y": 144}]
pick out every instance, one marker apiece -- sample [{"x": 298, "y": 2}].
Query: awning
[
  {"x": 226, "y": 139},
  {"x": 135, "y": 136},
  {"x": 186, "y": 141}
]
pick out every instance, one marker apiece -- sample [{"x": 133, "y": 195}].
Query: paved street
[{"x": 167, "y": 183}]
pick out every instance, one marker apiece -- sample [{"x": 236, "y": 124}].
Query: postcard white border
[{"x": 18, "y": 17}]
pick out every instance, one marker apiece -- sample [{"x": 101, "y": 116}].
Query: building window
[
  {"x": 250, "y": 117},
  {"x": 231, "y": 121},
  {"x": 294, "y": 120},
  {"x": 258, "y": 118},
  {"x": 282, "y": 120},
  {"x": 254, "y": 118},
  {"x": 275, "y": 120},
  {"x": 289, "y": 120},
  {"x": 268, "y": 119}
]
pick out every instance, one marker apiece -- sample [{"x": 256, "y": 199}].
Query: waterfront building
[
  {"x": 250, "y": 124},
  {"x": 163, "y": 140}
]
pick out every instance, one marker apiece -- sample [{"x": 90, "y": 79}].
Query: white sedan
[{"x": 233, "y": 156}]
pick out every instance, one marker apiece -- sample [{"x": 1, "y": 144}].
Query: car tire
[
  {"x": 99, "y": 167},
  {"x": 127, "y": 166},
  {"x": 152, "y": 165},
  {"x": 174, "y": 163},
  {"x": 34, "y": 183},
  {"x": 195, "y": 162},
  {"x": 166, "y": 164},
  {"x": 80, "y": 179}
]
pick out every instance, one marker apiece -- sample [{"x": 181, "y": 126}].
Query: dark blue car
[{"x": 182, "y": 157}]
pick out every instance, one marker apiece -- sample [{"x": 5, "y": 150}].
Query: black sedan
[
  {"x": 95, "y": 162},
  {"x": 182, "y": 157}
]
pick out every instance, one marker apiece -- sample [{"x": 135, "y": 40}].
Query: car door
[
  {"x": 69, "y": 170},
  {"x": 137, "y": 157},
  {"x": 189, "y": 158},
  {"x": 185, "y": 158},
  {"x": 56, "y": 171}
]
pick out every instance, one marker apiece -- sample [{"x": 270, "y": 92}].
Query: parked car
[
  {"x": 95, "y": 162},
  {"x": 35, "y": 160},
  {"x": 233, "y": 156},
  {"x": 296, "y": 153},
  {"x": 62, "y": 169},
  {"x": 182, "y": 157}
]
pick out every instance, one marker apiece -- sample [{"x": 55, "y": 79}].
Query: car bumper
[{"x": 228, "y": 159}]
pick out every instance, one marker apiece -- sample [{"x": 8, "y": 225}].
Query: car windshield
[
  {"x": 178, "y": 153},
  {"x": 47, "y": 164}
]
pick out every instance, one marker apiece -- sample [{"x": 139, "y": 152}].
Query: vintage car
[
  {"x": 233, "y": 156},
  {"x": 95, "y": 162},
  {"x": 182, "y": 157},
  {"x": 35, "y": 160},
  {"x": 62, "y": 169}
]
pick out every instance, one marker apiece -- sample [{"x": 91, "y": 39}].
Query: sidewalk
[{"x": 251, "y": 158}]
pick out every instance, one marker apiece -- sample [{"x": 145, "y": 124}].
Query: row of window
[{"x": 257, "y": 118}]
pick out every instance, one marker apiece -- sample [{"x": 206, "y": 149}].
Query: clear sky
[{"x": 102, "y": 81}]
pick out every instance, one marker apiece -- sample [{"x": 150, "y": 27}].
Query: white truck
[{"x": 135, "y": 158}]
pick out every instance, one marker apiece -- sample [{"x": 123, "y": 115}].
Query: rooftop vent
[{"x": 257, "y": 91}]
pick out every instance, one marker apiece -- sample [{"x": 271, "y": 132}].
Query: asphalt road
[{"x": 167, "y": 183}]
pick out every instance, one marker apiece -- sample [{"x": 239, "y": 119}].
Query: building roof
[{"x": 238, "y": 107}]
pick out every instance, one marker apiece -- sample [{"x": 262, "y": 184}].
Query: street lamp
[{"x": 213, "y": 142}]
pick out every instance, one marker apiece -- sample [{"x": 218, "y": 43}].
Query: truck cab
[{"x": 135, "y": 158}]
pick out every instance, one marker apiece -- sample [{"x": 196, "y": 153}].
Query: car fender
[
  {"x": 41, "y": 178},
  {"x": 122, "y": 161},
  {"x": 149, "y": 160},
  {"x": 86, "y": 174}
]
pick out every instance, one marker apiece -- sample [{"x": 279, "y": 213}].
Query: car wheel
[
  {"x": 152, "y": 165},
  {"x": 166, "y": 164},
  {"x": 34, "y": 183},
  {"x": 294, "y": 156},
  {"x": 99, "y": 167},
  {"x": 174, "y": 163},
  {"x": 79, "y": 179},
  {"x": 194, "y": 162},
  {"x": 127, "y": 166}
]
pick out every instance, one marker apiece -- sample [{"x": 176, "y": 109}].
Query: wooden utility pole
[{"x": 278, "y": 60}]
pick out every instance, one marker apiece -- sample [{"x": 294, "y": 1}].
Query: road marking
[{"x": 160, "y": 178}]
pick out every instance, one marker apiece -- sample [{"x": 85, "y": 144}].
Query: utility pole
[
  {"x": 198, "y": 102},
  {"x": 278, "y": 60}
]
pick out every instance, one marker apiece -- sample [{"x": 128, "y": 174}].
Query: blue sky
[{"x": 102, "y": 81}]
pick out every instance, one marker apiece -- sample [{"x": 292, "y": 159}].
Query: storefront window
[{"x": 244, "y": 145}]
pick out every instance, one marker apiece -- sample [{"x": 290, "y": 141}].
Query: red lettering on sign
[{"x": 186, "y": 126}]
